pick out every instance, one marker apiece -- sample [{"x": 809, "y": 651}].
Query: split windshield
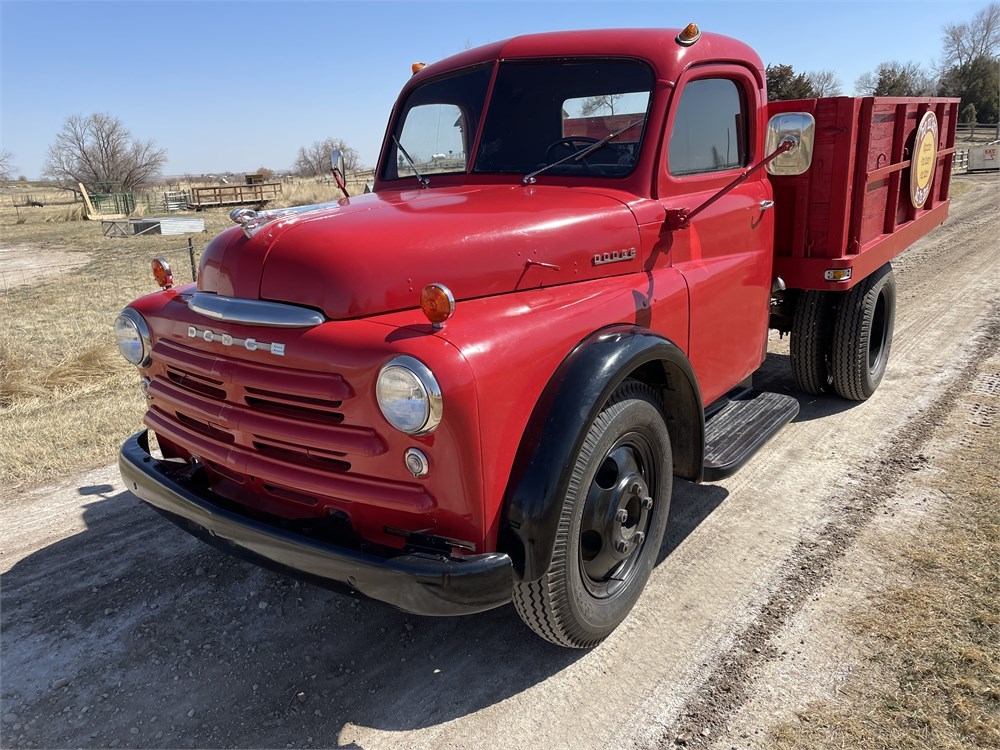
[{"x": 540, "y": 112}]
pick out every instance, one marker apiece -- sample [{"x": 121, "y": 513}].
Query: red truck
[{"x": 476, "y": 384}]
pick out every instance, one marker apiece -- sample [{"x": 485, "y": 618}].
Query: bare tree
[
  {"x": 965, "y": 42},
  {"x": 824, "y": 83},
  {"x": 6, "y": 167},
  {"x": 99, "y": 148},
  {"x": 314, "y": 160},
  {"x": 595, "y": 104},
  {"x": 895, "y": 79}
]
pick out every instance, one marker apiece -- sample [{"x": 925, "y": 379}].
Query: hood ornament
[{"x": 252, "y": 221}]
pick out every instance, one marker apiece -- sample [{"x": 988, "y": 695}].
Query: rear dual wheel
[
  {"x": 841, "y": 341},
  {"x": 862, "y": 335},
  {"x": 611, "y": 527},
  {"x": 811, "y": 340}
]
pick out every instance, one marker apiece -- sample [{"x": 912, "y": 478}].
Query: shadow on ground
[
  {"x": 776, "y": 375},
  {"x": 162, "y": 641}
]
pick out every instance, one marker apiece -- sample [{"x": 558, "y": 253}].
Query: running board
[{"x": 741, "y": 427}]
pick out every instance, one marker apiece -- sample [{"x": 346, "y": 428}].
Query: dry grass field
[{"x": 67, "y": 398}]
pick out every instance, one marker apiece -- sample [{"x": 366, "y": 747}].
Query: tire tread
[
  {"x": 543, "y": 604},
  {"x": 810, "y": 342},
  {"x": 851, "y": 335}
]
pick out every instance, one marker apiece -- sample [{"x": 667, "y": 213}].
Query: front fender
[{"x": 559, "y": 422}]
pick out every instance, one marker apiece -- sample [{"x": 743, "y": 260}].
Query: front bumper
[{"x": 421, "y": 583}]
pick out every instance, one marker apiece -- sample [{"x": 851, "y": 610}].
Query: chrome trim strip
[{"x": 253, "y": 312}]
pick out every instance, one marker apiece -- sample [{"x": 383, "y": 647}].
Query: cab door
[{"x": 714, "y": 132}]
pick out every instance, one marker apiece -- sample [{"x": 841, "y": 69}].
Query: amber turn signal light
[
  {"x": 689, "y": 35},
  {"x": 162, "y": 273},
  {"x": 438, "y": 303},
  {"x": 417, "y": 67},
  {"x": 837, "y": 274}
]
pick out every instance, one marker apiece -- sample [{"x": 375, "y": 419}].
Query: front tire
[
  {"x": 862, "y": 335},
  {"x": 611, "y": 527}
]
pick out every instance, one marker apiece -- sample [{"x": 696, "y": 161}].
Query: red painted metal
[
  {"x": 477, "y": 242},
  {"x": 852, "y": 208},
  {"x": 301, "y": 435},
  {"x": 725, "y": 255}
]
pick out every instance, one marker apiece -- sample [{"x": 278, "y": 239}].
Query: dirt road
[{"x": 120, "y": 630}]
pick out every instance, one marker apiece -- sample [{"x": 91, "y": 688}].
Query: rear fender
[{"x": 574, "y": 396}]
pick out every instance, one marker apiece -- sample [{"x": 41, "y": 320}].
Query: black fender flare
[{"x": 570, "y": 402}]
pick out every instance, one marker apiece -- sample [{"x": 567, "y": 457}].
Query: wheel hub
[
  {"x": 616, "y": 518},
  {"x": 627, "y": 523}
]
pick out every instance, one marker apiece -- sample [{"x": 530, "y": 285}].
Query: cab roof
[{"x": 658, "y": 47}]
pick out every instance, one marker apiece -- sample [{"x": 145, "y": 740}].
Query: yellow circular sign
[{"x": 924, "y": 159}]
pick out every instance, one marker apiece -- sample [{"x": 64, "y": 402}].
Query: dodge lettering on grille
[{"x": 251, "y": 345}]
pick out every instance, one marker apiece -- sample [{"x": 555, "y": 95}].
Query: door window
[{"x": 710, "y": 128}]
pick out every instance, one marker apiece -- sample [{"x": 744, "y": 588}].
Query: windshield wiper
[
  {"x": 420, "y": 178},
  {"x": 529, "y": 179}
]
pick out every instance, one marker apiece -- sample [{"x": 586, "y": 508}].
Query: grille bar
[
  {"x": 359, "y": 441},
  {"x": 371, "y": 491},
  {"x": 275, "y": 380}
]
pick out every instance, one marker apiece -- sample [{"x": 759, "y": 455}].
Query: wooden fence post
[{"x": 194, "y": 267}]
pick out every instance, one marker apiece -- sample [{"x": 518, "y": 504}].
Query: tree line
[
  {"x": 969, "y": 69},
  {"x": 99, "y": 152}
]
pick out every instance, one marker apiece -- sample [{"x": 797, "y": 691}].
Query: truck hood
[{"x": 374, "y": 253}]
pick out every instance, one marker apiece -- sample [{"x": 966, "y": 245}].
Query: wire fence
[
  {"x": 970, "y": 130},
  {"x": 183, "y": 260}
]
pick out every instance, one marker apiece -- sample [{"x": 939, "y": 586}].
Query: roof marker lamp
[
  {"x": 689, "y": 35},
  {"x": 162, "y": 273},
  {"x": 438, "y": 304},
  {"x": 417, "y": 67}
]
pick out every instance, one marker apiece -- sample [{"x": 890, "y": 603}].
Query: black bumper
[{"x": 424, "y": 584}]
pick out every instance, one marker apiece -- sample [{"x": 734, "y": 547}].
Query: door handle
[{"x": 764, "y": 205}]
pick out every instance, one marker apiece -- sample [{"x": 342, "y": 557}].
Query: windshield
[
  {"x": 540, "y": 112},
  {"x": 438, "y": 122}
]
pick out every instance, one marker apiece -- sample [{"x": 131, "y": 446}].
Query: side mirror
[
  {"x": 337, "y": 162},
  {"x": 337, "y": 167},
  {"x": 800, "y": 127}
]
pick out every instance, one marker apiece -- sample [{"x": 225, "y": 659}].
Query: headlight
[
  {"x": 409, "y": 396},
  {"x": 132, "y": 336}
]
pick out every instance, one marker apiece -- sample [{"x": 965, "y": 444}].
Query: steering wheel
[{"x": 567, "y": 143}]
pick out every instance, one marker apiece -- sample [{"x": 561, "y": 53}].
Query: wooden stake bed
[{"x": 853, "y": 207}]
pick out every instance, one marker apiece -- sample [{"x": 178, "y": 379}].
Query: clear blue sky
[{"x": 237, "y": 85}]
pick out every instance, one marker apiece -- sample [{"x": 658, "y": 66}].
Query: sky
[{"x": 233, "y": 86}]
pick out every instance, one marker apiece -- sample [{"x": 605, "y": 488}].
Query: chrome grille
[{"x": 280, "y": 429}]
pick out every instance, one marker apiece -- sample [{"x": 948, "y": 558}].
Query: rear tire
[
  {"x": 811, "y": 342},
  {"x": 862, "y": 335},
  {"x": 611, "y": 527}
]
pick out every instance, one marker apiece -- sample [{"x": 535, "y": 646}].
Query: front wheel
[{"x": 611, "y": 526}]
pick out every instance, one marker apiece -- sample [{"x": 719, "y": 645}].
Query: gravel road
[{"x": 120, "y": 630}]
